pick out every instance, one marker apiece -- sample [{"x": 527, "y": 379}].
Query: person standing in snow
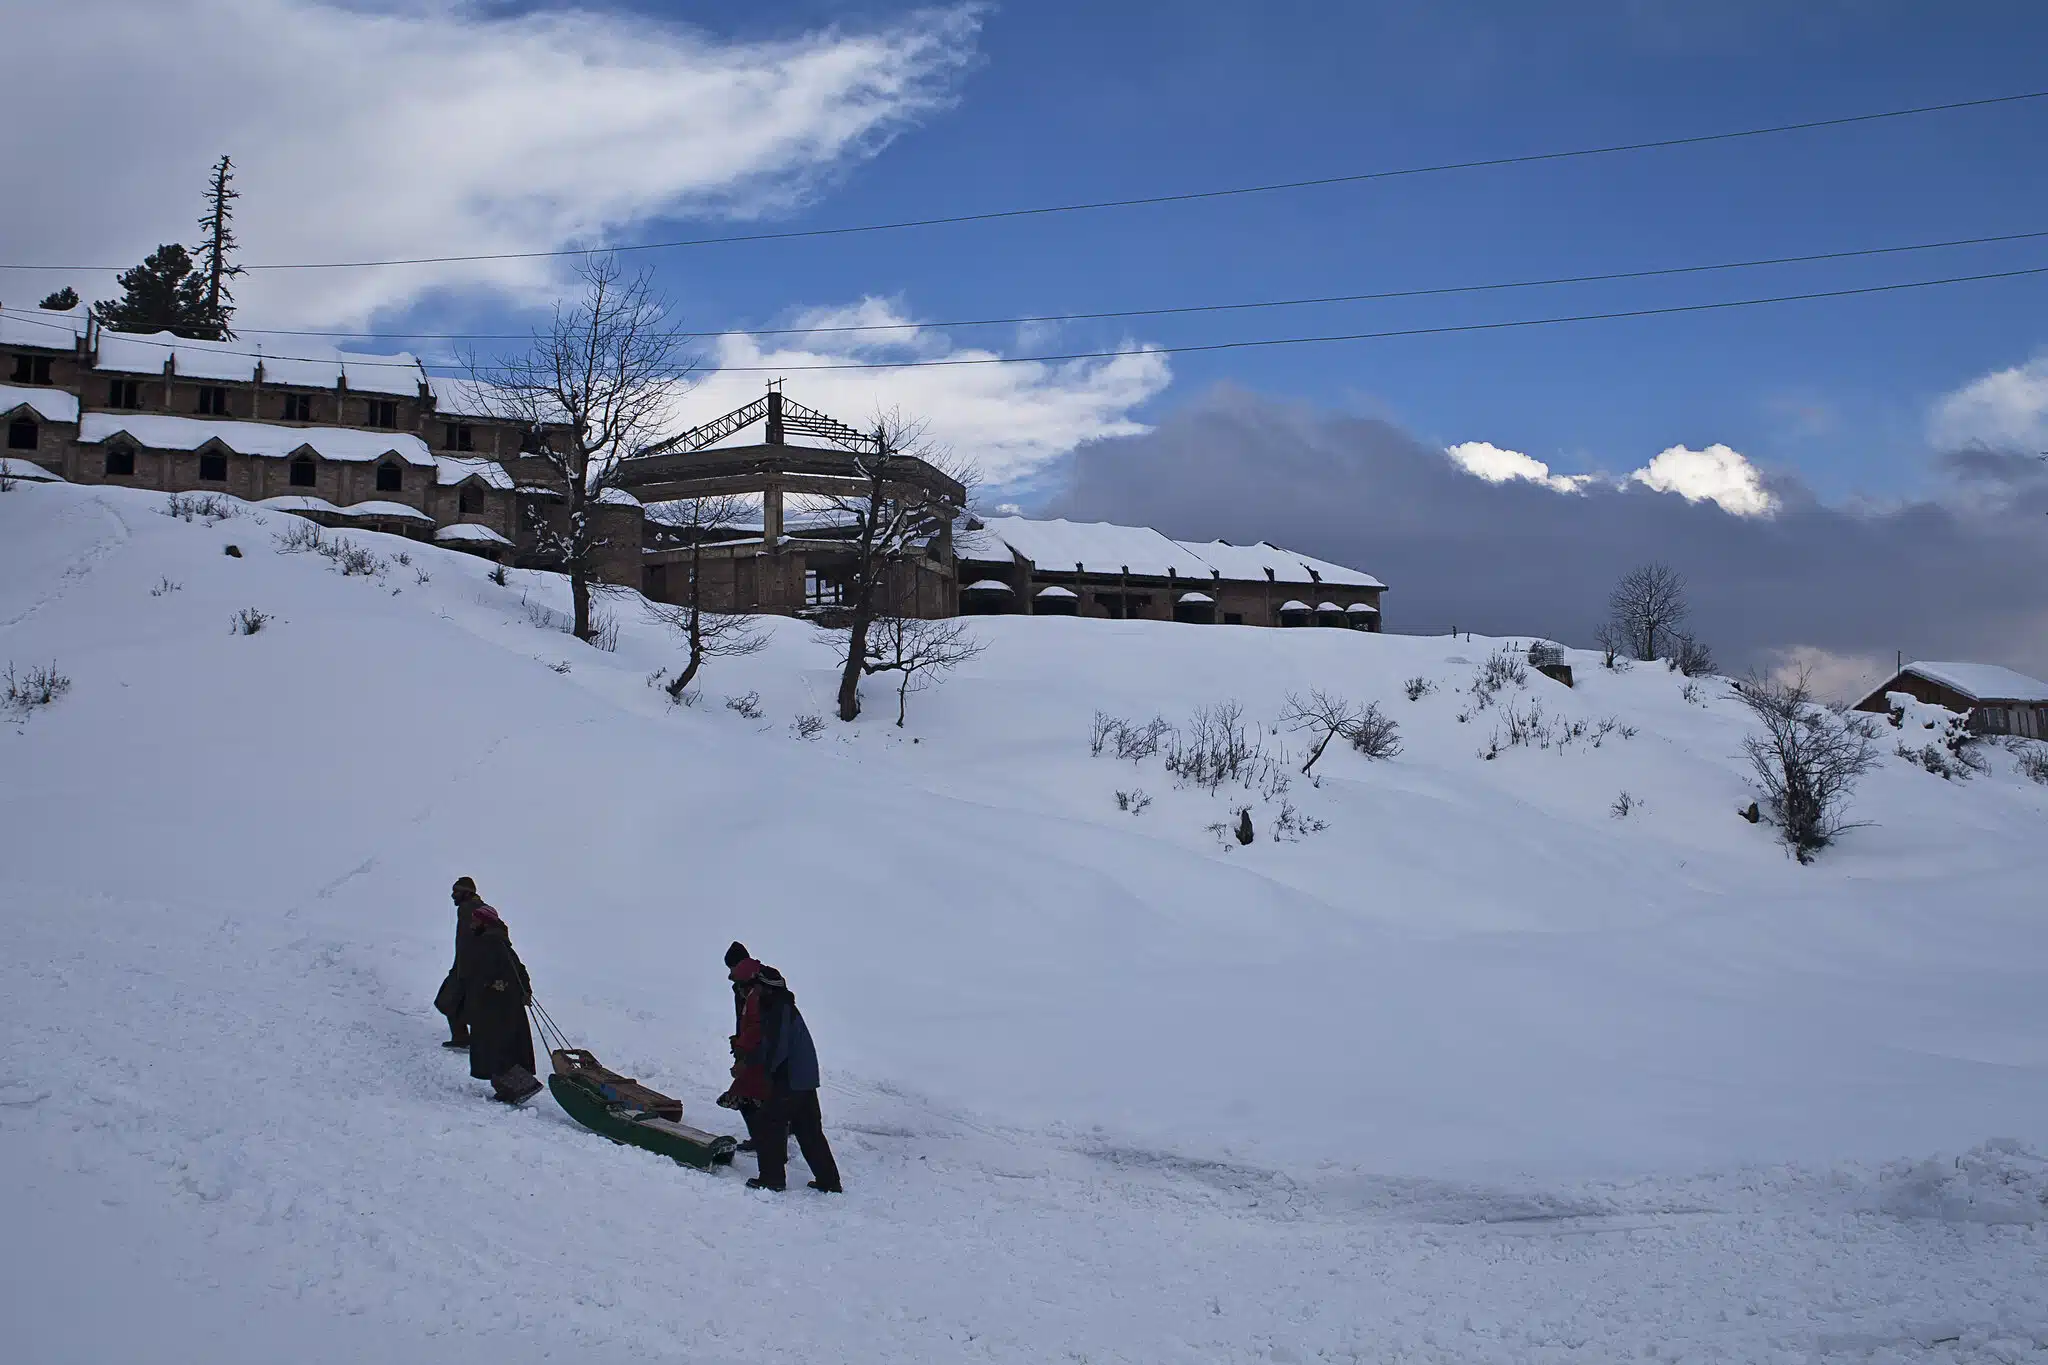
[
  {"x": 495, "y": 992},
  {"x": 448, "y": 999},
  {"x": 775, "y": 1076}
]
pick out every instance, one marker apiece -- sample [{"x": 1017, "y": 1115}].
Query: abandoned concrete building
[{"x": 375, "y": 441}]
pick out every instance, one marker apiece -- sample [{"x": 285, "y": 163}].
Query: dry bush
[
  {"x": 1807, "y": 760},
  {"x": 249, "y": 621},
  {"x": 21, "y": 693},
  {"x": 747, "y": 706},
  {"x": 808, "y": 727},
  {"x": 1418, "y": 687},
  {"x": 1376, "y": 735}
]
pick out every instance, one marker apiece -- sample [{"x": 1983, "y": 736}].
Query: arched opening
[
  {"x": 1292, "y": 614},
  {"x": 1195, "y": 608},
  {"x": 1363, "y": 616},
  {"x": 988, "y": 597},
  {"x": 304, "y": 472},
  {"x": 22, "y": 433},
  {"x": 120, "y": 462},
  {"x": 1330, "y": 614},
  {"x": 1056, "y": 601},
  {"x": 390, "y": 477}
]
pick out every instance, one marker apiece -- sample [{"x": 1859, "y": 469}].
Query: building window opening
[
  {"x": 21, "y": 434},
  {"x": 303, "y": 471},
  {"x": 820, "y": 591},
  {"x": 120, "y": 462},
  {"x": 213, "y": 402},
  {"x": 383, "y": 412},
  {"x": 390, "y": 478},
  {"x": 469, "y": 501},
  {"x": 460, "y": 436},
  {"x": 124, "y": 393},
  {"x": 298, "y": 407},
  {"x": 213, "y": 467},
  {"x": 32, "y": 369}
]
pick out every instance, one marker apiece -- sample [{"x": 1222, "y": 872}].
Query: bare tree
[
  {"x": 1806, "y": 760},
  {"x": 597, "y": 386},
  {"x": 895, "y": 514},
  {"x": 1646, "y": 608},
  {"x": 917, "y": 650},
  {"x": 1689, "y": 656},
  {"x": 706, "y": 634},
  {"x": 1322, "y": 717}
]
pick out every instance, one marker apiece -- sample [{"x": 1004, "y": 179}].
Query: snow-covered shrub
[
  {"x": 2001, "y": 1181},
  {"x": 1502, "y": 669},
  {"x": 559, "y": 666},
  {"x": 1806, "y": 760},
  {"x": 1691, "y": 693},
  {"x": 1100, "y": 729},
  {"x": 1127, "y": 741},
  {"x": 498, "y": 575},
  {"x": 206, "y": 507},
  {"x": 1418, "y": 687},
  {"x": 404, "y": 557},
  {"x": 807, "y": 727},
  {"x": 1216, "y": 748},
  {"x": 301, "y": 537},
  {"x": 1375, "y": 734},
  {"x": 249, "y": 621},
  {"x": 2032, "y": 761},
  {"x": 1623, "y": 805},
  {"x": 1291, "y": 826},
  {"x": 422, "y": 577},
  {"x": 1524, "y": 728},
  {"x": 1690, "y": 657},
  {"x": 165, "y": 587},
  {"x": 1133, "y": 801},
  {"x": 747, "y": 706},
  {"x": 604, "y": 630},
  {"x": 1950, "y": 747},
  {"x": 24, "y": 692}
]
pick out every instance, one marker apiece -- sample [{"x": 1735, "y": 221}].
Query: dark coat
[
  {"x": 448, "y": 999},
  {"x": 495, "y": 991}
]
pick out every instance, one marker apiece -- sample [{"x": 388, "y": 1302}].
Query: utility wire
[
  {"x": 1183, "y": 309},
  {"x": 1667, "y": 310},
  {"x": 1082, "y": 206}
]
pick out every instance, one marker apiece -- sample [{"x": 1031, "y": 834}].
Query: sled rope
[{"x": 550, "y": 1032}]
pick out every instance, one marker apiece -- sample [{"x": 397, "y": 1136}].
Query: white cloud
[
  {"x": 2006, "y": 408},
  {"x": 420, "y": 127},
  {"x": 1010, "y": 421},
  {"x": 1717, "y": 474},
  {"x": 1834, "y": 676},
  {"x": 1496, "y": 465}
]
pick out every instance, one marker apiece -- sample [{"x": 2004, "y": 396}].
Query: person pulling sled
[
  {"x": 775, "y": 1076},
  {"x": 491, "y": 993}
]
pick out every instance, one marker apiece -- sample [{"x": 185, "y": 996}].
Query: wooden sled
[{"x": 626, "y": 1111}]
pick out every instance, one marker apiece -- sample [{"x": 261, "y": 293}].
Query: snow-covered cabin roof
[
  {"x": 469, "y": 533},
  {"x": 51, "y": 329},
  {"x": 304, "y": 362},
  {"x": 1328, "y": 606},
  {"x": 52, "y": 405},
  {"x": 453, "y": 469},
  {"x": 161, "y": 431},
  {"x": 1099, "y": 547},
  {"x": 460, "y": 396},
  {"x": 28, "y": 471},
  {"x": 384, "y": 509},
  {"x": 1250, "y": 562},
  {"x": 1983, "y": 682}
]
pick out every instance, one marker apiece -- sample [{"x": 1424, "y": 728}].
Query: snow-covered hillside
[{"x": 1479, "y": 1070}]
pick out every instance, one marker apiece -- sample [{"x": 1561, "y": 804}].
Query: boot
[
  {"x": 823, "y": 1188},
  {"x": 755, "y": 1182}
]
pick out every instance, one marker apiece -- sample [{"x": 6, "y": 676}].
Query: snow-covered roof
[
  {"x": 617, "y": 497},
  {"x": 1363, "y": 609},
  {"x": 1983, "y": 682},
  {"x": 1055, "y": 591},
  {"x": 1250, "y": 562},
  {"x": 1328, "y": 606},
  {"x": 990, "y": 585},
  {"x": 454, "y": 469},
  {"x": 1196, "y": 597},
  {"x": 27, "y": 470},
  {"x": 459, "y": 396},
  {"x": 161, "y": 431},
  {"x": 384, "y": 509},
  {"x": 300, "y": 502},
  {"x": 1099, "y": 547},
  {"x": 469, "y": 533},
  {"x": 304, "y": 362},
  {"x": 52, "y": 405},
  {"x": 1292, "y": 605},
  {"x": 51, "y": 329}
]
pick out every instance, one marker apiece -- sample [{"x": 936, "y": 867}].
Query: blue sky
[{"x": 1080, "y": 100}]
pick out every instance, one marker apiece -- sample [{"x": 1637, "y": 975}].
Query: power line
[
  {"x": 1667, "y": 310},
  {"x": 1183, "y": 309},
  {"x": 1082, "y": 206}
]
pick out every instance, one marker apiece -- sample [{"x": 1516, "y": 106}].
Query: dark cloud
[{"x": 1964, "y": 575}]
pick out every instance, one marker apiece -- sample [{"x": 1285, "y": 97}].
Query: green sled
[{"x": 583, "y": 1102}]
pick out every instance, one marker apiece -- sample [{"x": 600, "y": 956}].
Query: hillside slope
[{"x": 1105, "y": 1085}]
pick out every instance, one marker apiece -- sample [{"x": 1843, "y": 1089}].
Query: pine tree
[
  {"x": 160, "y": 295},
  {"x": 62, "y": 301},
  {"x": 216, "y": 244}
]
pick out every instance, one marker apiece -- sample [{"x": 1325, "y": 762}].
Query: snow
[
  {"x": 52, "y": 405},
  {"x": 1983, "y": 682},
  {"x": 469, "y": 533},
  {"x": 306, "y": 362},
  {"x": 454, "y": 469},
  {"x": 301, "y": 502},
  {"x": 1478, "y": 1073},
  {"x": 1098, "y": 546},
  {"x": 47, "y": 328},
  {"x": 1252, "y": 561},
  {"x": 27, "y": 469},
  {"x": 617, "y": 497},
  {"x": 1056, "y": 591},
  {"x": 1363, "y": 609},
  {"x": 1196, "y": 597},
  {"x": 384, "y": 508},
  {"x": 161, "y": 431},
  {"x": 1293, "y": 604},
  {"x": 1328, "y": 606},
  {"x": 990, "y": 585}
]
